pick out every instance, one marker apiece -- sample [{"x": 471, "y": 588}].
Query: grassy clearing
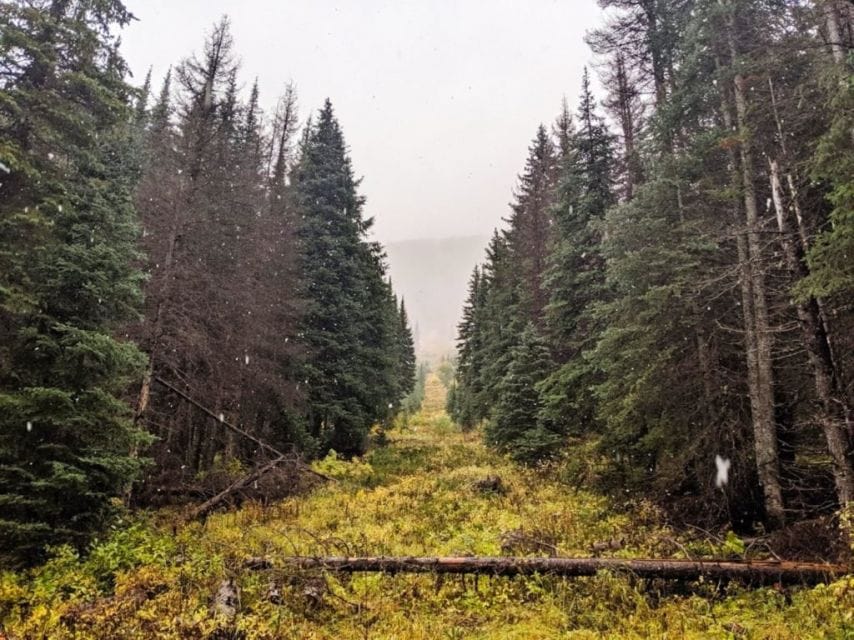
[{"x": 417, "y": 495}]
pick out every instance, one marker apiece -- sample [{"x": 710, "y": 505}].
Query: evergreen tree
[
  {"x": 530, "y": 226},
  {"x": 406, "y": 365},
  {"x": 220, "y": 301},
  {"x": 501, "y": 321},
  {"x": 466, "y": 402},
  {"x": 671, "y": 313},
  {"x": 831, "y": 266},
  {"x": 515, "y": 427},
  {"x": 351, "y": 321},
  {"x": 576, "y": 273},
  {"x": 67, "y": 236}
]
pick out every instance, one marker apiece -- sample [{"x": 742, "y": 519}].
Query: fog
[{"x": 438, "y": 100}]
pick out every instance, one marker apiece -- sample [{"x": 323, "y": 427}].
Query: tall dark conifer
[
  {"x": 350, "y": 321},
  {"x": 468, "y": 407},
  {"x": 515, "y": 426},
  {"x": 575, "y": 278},
  {"x": 67, "y": 236},
  {"x": 405, "y": 374},
  {"x": 529, "y": 225}
]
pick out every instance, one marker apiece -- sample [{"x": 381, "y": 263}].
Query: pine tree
[
  {"x": 575, "y": 277},
  {"x": 221, "y": 306},
  {"x": 671, "y": 315},
  {"x": 530, "y": 225},
  {"x": 501, "y": 321},
  {"x": 831, "y": 270},
  {"x": 515, "y": 427},
  {"x": 347, "y": 327},
  {"x": 406, "y": 365},
  {"x": 466, "y": 402},
  {"x": 67, "y": 236}
]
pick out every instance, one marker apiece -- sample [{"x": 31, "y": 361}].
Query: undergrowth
[{"x": 421, "y": 494}]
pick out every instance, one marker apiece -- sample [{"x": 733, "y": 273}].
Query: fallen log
[
  {"x": 241, "y": 432},
  {"x": 752, "y": 572},
  {"x": 241, "y": 483}
]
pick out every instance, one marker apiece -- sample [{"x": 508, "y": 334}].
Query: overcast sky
[{"x": 438, "y": 99}]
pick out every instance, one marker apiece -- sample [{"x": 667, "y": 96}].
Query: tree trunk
[
  {"x": 653, "y": 42},
  {"x": 154, "y": 328},
  {"x": 238, "y": 485},
  {"x": 237, "y": 430},
  {"x": 831, "y": 416},
  {"x": 627, "y": 123},
  {"x": 755, "y": 573},
  {"x": 834, "y": 30},
  {"x": 755, "y": 310}
]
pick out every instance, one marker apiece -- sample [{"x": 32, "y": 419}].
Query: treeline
[
  {"x": 184, "y": 237},
  {"x": 679, "y": 286}
]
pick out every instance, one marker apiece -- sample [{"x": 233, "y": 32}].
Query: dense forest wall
[
  {"x": 673, "y": 282},
  {"x": 185, "y": 237}
]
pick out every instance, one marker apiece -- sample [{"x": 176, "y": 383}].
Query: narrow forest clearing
[{"x": 430, "y": 490}]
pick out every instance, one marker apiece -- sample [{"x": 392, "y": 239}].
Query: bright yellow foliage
[{"x": 417, "y": 495}]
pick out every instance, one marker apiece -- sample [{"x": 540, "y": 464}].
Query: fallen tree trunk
[
  {"x": 241, "y": 483},
  {"x": 241, "y": 432},
  {"x": 756, "y": 572}
]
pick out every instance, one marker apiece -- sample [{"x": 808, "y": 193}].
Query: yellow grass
[{"x": 416, "y": 495}]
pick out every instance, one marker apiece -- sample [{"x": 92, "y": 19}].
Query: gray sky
[{"x": 438, "y": 99}]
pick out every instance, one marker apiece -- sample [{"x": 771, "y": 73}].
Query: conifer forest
[{"x": 217, "y": 418}]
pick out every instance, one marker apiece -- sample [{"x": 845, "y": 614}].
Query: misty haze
[{"x": 403, "y": 320}]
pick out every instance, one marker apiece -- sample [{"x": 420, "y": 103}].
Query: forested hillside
[
  {"x": 177, "y": 236},
  {"x": 673, "y": 283}
]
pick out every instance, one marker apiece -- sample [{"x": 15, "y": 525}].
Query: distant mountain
[{"x": 432, "y": 275}]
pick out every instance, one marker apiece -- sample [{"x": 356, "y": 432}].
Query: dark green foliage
[
  {"x": 575, "y": 279},
  {"x": 831, "y": 258},
  {"x": 529, "y": 226},
  {"x": 67, "y": 249},
  {"x": 514, "y": 426},
  {"x": 465, "y": 398},
  {"x": 360, "y": 362},
  {"x": 671, "y": 327},
  {"x": 406, "y": 368},
  {"x": 265, "y": 296}
]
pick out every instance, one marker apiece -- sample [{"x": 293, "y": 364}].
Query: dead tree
[{"x": 753, "y": 573}]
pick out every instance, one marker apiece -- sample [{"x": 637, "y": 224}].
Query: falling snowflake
[
  {"x": 723, "y": 465},
  {"x": 29, "y": 426}
]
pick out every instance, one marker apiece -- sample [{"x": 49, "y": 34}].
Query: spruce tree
[
  {"x": 406, "y": 370},
  {"x": 350, "y": 321},
  {"x": 530, "y": 226},
  {"x": 67, "y": 249},
  {"x": 502, "y": 322},
  {"x": 515, "y": 426},
  {"x": 830, "y": 257},
  {"x": 466, "y": 404},
  {"x": 575, "y": 277}
]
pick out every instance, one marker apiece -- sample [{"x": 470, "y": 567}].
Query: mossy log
[{"x": 750, "y": 572}]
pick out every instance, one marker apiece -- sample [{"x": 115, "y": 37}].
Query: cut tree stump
[{"x": 753, "y": 572}]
